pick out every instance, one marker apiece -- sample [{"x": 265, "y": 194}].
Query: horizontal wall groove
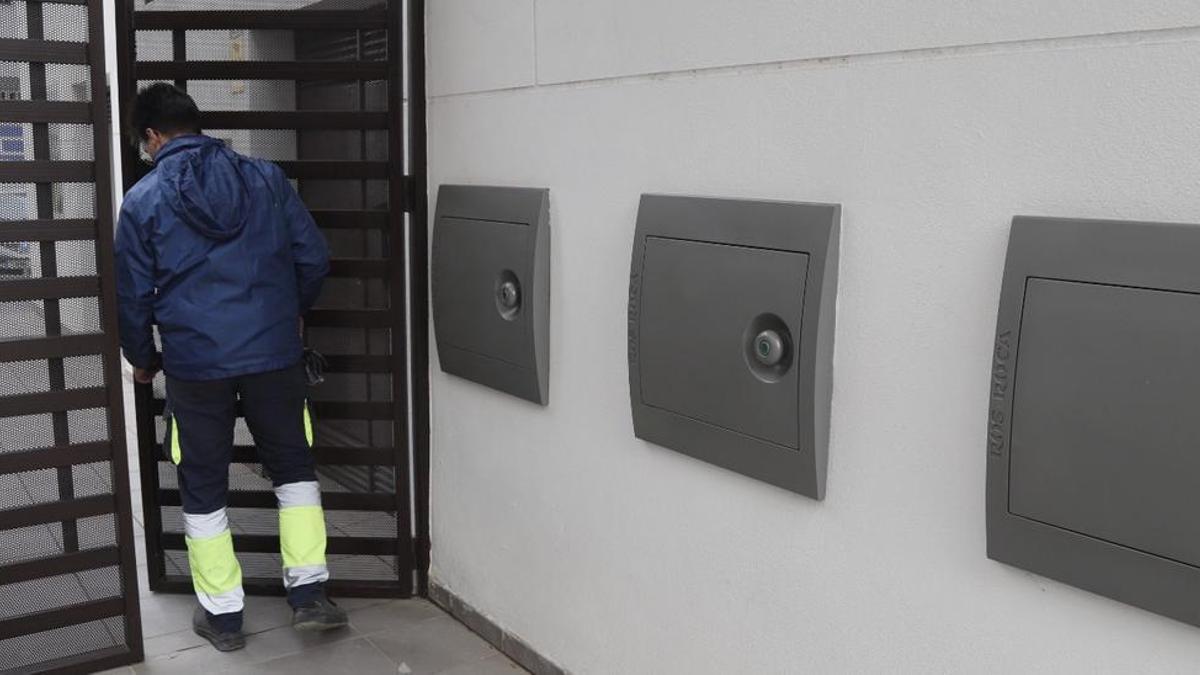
[{"x": 1089, "y": 41}]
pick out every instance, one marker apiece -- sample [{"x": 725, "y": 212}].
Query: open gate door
[
  {"x": 68, "y": 590},
  {"x": 319, "y": 87}
]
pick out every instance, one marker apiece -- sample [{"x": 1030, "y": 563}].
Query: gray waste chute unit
[
  {"x": 731, "y": 316},
  {"x": 491, "y": 287},
  {"x": 1093, "y": 431}
]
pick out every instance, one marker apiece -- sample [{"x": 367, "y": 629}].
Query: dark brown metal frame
[
  {"x": 57, "y": 346},
  {"x": 418, "y": 245},
  {"x": 409, "y": 352}
]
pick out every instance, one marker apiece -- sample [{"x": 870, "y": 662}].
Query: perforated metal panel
[
  {"x": 317, "y": 87},
  {"x": 68, "y": 590}
]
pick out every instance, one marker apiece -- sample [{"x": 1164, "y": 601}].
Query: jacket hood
[{"x": 205, "y": 184}]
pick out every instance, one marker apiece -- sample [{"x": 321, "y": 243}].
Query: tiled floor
[
  {"x": 384, "y": 636},
  {"x": 397, "y": 636}
]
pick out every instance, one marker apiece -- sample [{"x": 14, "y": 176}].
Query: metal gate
[
  {"x": 68, "y": 587},
  {"x": 320, "y": 88}
]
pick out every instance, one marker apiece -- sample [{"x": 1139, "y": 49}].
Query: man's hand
[{"x": 143, "y": 375}]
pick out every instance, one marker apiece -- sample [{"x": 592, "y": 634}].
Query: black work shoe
[
  {"x": 318, "y": 614},
  {"x": 224, "y": 642}
]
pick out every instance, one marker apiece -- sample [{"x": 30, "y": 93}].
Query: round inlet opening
[
  {"x": 508, "y": 295},
  {"x": 768, "y": 347}
]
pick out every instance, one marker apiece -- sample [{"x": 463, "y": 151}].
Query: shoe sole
[
  {"x": 211, "y": 636},
  {"x": 318, "y": 626}
]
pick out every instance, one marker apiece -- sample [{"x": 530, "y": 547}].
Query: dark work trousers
[{"x": 200, "y": 431}]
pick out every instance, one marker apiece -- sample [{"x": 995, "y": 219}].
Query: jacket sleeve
[
  {"x": 135, "y": 291},
  {"x": 309, "y": 250}
]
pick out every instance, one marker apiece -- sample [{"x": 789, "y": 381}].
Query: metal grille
[
  {"x": 277, "y": 145},
  {"x": 153, "y": 45},
  {"x": 28, "y": 318},
  {"x": 68, "y": 598},
  {"x": 68, "y": 200},
  {"x": 240, "y": 45},
  {"x": 63, "y": 646},
  {"x": 71, "y": 142},
  {"x": 30, "y": 377},
  {"x": 68, "y": 82},
  {"x": 25, "y": 432},
  {"x": 379, "y": 569},
  {"x": 13, "y": 21},
  {"x": 250, "y": 65},
  {"x": 39, "y": 595},
  {"x": 64, "y": 81},
  {"x": 42, "y": 542},
  {"x": 97, "y": 532},
  {"x": 41, "y": 486},
  {"x": 89, "y": 426},
  {"x": 262, "y": 521},
  {"x": 68, "y": 23},
  {"x": 35, "y": 542},
  {"x": 22, "y": 259},
  {"x": 236, "y": 95}
]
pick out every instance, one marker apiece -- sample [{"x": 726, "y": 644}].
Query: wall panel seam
[{"x": 1022, "y": 46}]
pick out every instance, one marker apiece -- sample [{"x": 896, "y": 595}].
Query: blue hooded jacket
[{"x": 219, "y": 251}]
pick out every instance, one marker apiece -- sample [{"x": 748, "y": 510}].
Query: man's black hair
[{"x": 165, "y": 108}]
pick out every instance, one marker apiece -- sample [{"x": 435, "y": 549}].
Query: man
[{"x": 218, "y": 251}]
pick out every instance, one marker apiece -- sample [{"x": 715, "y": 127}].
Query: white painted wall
[{"x": 611, "y": 555}]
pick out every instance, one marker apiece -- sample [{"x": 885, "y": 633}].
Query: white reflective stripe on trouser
[
  {"x": 216, "y": 574},
  {"x": 301, "y": 533}
]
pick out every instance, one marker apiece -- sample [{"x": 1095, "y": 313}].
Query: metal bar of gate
[
  {"x": 398, "y": 200},
  {"x": 269, "y": 19},
  {"x": 295, "y": 119},
  {"x": 42, "y": 51},
  {"x": 418, "y": 244},
  {"x": 64, "y": 112},
  {"x": 47, "y": 230}
]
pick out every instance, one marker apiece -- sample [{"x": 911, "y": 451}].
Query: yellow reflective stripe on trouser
[
  {"x": 176, "y": 451},
  {"x": 216, "y": 574},
  {"x": 302, "y": 536},
  {"x": 308, "y": 425},
  {"x": 301, "y": 533}
]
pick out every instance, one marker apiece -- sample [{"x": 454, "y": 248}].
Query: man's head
[{"x": 161, "y": 112}]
